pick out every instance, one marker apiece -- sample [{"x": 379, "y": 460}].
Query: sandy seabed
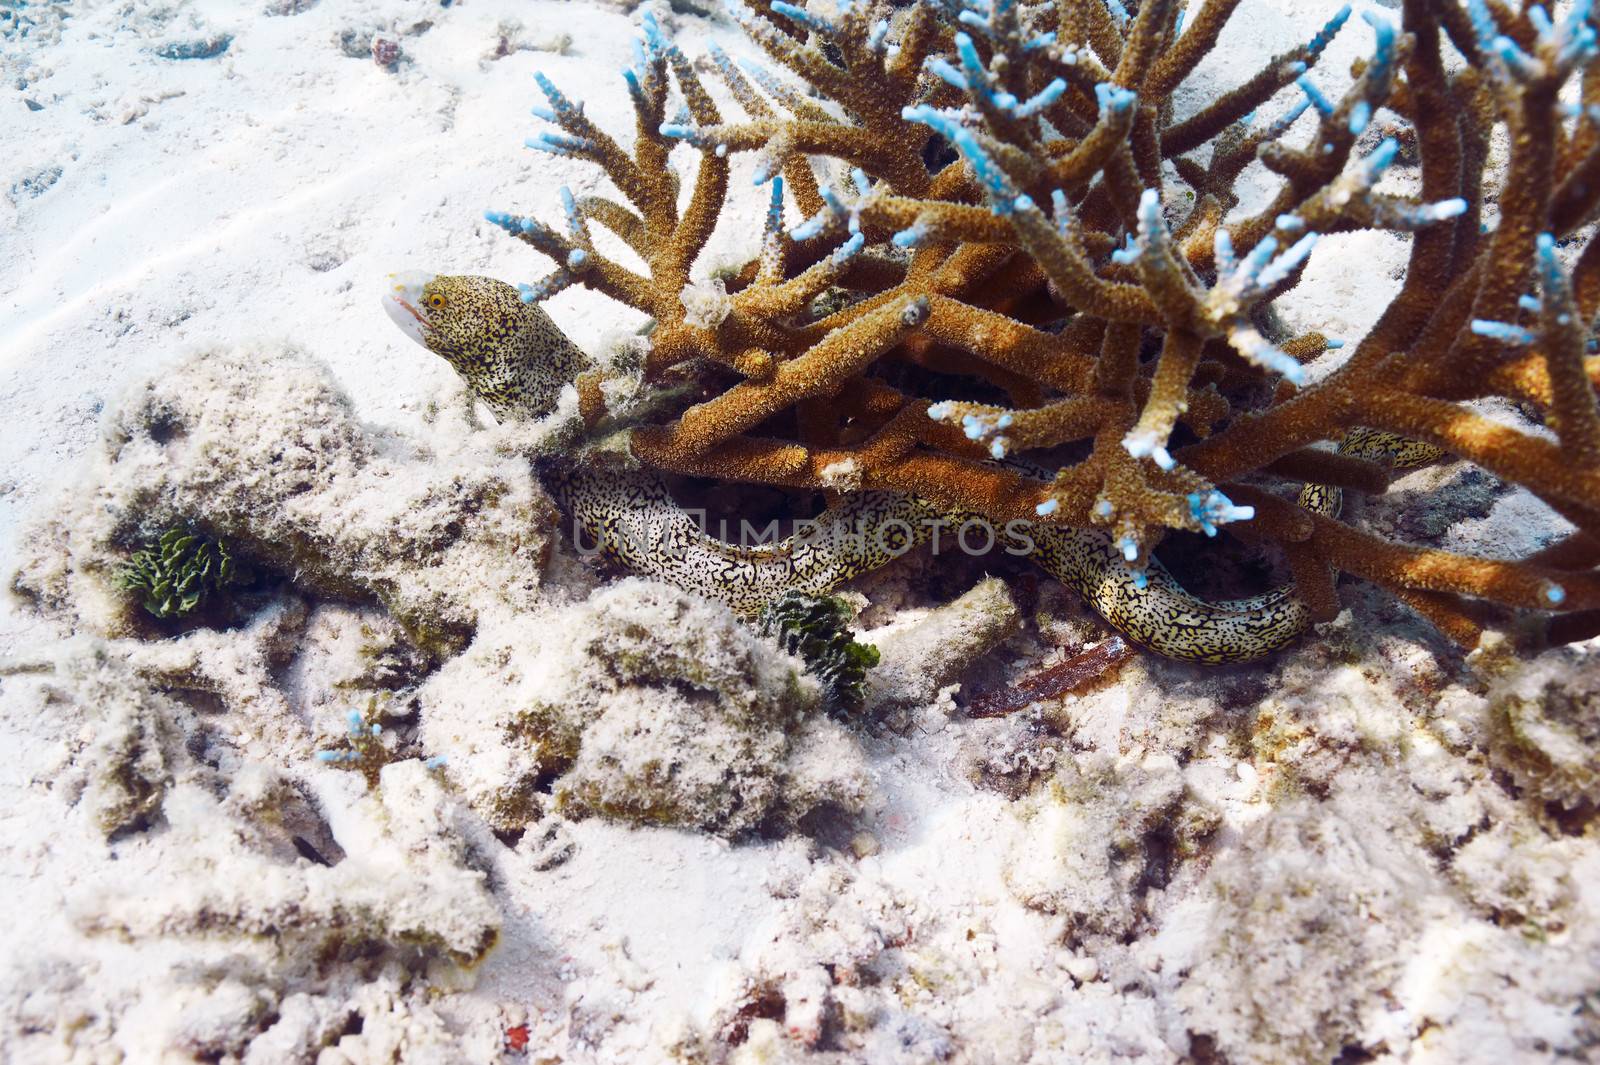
[{"x": 644, "y": 843}]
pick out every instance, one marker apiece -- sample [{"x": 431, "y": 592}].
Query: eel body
[
  {"x": 634, "y": 521},
  {"x": 514, "y": 358}
]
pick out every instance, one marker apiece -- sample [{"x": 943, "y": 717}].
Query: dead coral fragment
[
  {"x": 922, "y": 654},
  {"x": 405, "y": 890},
  {"x": 1093, "y": 836},
  {"x": 1101, "y": 302},
  {"x": 1545, "y": 728},
  {"x": 1308, "y": 900},
  {"x": 125, "y": 769},
  {"x": 645, "y": 705},
  {"x": 1071, "y": 675},
  {"x": 258, "y": 448}
]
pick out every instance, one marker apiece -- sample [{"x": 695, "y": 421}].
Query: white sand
[{"x": 1280, "y": 862}]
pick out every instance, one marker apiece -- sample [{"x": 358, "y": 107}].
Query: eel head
[{"x": 510, "y": 353}]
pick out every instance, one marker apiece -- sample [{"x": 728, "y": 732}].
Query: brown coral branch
[
  {"x": 1427, "y": 569},
  {"x": 822, "y": 370}
]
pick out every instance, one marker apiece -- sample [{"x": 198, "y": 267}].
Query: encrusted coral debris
[
  {"x": 256, "y": 447},
  {"x": 643, "y": 705},
  {"x": 1038, "y": 248},
  {"x": 1545, "y": 727}
]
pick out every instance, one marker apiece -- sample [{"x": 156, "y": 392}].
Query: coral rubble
[
  {"x": 1032, "y": 248},
  {"x": 644, "y": 705},
  {"x": 1546, "y": 728},
  {"x": 256, "y": 447}
]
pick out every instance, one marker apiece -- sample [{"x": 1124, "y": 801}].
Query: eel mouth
[{"x": 401, "y": 301}]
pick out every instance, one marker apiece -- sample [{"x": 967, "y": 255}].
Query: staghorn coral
[
  {"x": 1056, "y": 264},
  {"x": 365, "y": 747},
  {"x": 632, "y": 518}
]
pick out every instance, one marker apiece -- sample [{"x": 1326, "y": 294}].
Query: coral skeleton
[{"x": 1039, "y": 254}]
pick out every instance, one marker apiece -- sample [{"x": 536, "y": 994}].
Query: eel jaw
[{"x": 401, "y": 301}]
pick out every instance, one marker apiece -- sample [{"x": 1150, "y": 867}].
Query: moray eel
[{"x": 516, "y": 360}]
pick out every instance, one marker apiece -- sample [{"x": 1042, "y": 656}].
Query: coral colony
[
  {"x": 817, "y": 629},
  {"x": 1000, "y": 223},
  {"x": 177, "y": 573}
]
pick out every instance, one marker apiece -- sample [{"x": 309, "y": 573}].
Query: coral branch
[{"x": 992, "y": 259}]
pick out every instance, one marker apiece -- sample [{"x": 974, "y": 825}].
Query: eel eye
[{"x": 435, "y": 301}]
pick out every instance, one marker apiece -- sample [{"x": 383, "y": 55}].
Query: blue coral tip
[
  {"x": 1360, "y": 115},
  {"x": 1048, "y": 507},
  {"x": 329, "y": 756},
  {"x": 1554, "y": 594}
]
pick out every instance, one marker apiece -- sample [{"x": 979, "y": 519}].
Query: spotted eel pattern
[{"x": 515, "y": 359}]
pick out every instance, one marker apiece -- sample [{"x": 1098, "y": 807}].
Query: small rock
[
  {"x": 864, "y": 844},
  {"x": 355, "y": 44},
  {"x": 1082, "y": 970},
  {"x": 198, "y": 48},
  {"x": 385, "y": 53},
  {"x": 35, "y": 184}
]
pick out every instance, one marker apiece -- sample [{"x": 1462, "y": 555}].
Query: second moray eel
[{"x": 516, "y": 360}]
